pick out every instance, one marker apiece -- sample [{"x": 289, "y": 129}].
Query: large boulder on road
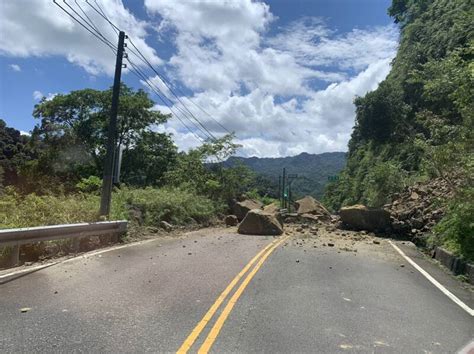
[
  {"x": 360, "y": 217},
  {"x": 241, "y": 209},
  {"x": 309, "y": 205},
  {"x": 259, "y": 222}
]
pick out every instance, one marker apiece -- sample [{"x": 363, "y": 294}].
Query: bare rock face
[
  {"x": 309, "y": 205},
  {"x": 231, "y": 220},
  {"x": 242, "y": 208},
  {"x": 360, "y": 217},
  {"x": 259, "y": 222}
]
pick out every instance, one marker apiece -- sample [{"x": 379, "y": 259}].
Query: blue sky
[{"x": 282, "y": 74}]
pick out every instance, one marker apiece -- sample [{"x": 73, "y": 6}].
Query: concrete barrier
[{"x": 454, "y": 264}]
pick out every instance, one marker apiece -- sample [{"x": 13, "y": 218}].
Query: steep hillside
[
  {"x": 418, "y": 125},
  {"x": 313, "y": 169}
]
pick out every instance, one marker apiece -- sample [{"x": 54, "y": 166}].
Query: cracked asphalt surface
[{"x": 355, "y": 296}]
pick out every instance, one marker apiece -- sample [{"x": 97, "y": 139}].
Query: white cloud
[
  {"x": 282, "y": 94},
  {"x": 183, "y": 138},
  {"x": 22, "y": 132},
  {"x": 37, "y": 95},
  {"x": 15, "y": 67},
  {"x": 50, "y": 96},
  {"x": 283, "y": 91},
  {"x": 40, "y": 28},
  {"x": 313, "y": 44},
  {"x": 320, "y": 123}
]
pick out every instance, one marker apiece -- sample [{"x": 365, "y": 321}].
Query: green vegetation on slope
[{"x": 419, "y": 122}]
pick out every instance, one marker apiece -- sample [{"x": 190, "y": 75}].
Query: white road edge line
[
  {"x": 27, "y": 270},
  {"x": 434, "y": 281}
]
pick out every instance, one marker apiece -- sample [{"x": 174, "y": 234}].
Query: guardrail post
[
  {"x": 122, "y": 230},
  {"x": 76, "y": 245},
  {"x": 14, "y": 258}
]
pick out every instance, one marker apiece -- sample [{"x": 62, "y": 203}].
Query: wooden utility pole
[
  {"x": 283, "y": 188},
  {"x": 107, "y": 182},
  {"x": 279, "y": 188}
]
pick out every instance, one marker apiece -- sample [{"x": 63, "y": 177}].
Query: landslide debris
[{"x": 417, "y": 209}]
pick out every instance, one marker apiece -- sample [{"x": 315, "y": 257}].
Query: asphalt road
[{"x": 301, "y": 296}]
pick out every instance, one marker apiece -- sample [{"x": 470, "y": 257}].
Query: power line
[
  {"x": 165, "y": 81},
  {"x": 169, "y": 88},
  {"x": 156, "y": 90},
  {"x": 168, "y": 84},
  {"x": 102, "y": 13},
  {"x": 93, "y": 29},
  {"x": 88, "y": 22},
  {"x": 133, "y": 70},
  {"x": 168, "y": 102},
  {"x": 80, "y": 23},
  {"x": 205, "y": 112},
  {"x": 108, "y": 43}
]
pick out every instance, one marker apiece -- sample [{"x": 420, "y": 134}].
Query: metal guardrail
[{"x": 17, "y": 237}]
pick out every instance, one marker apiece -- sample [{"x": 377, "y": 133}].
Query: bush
[
  {"x": 265, "y": 199},
  {"x": 383, "y": 179},
  {"x": 174, "y": 205},
  {"x": 456, "y": 230},
  {"x": 92, "y": 184}
]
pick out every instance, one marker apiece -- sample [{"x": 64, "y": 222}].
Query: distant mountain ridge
[{"x": 313, "y": 170}]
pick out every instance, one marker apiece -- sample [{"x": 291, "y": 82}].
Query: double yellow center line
[{"x": 211, "y": 337}]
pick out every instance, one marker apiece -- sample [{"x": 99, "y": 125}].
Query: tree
[
  {"x": 73, "y": 130},
  {"x": 14, "y": 152},
  {"x": 80, "y": 119},
  {"x": 201, "y": 170},
  {"x": 381, "y": 114},
  {"x": 403, "y": 11},
  {"x": 145, "y": 163}
]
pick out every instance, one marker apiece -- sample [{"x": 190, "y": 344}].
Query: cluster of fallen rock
[
  {"x": 412, "y": 213},
  {"x": 253, "y": 218},
  {"x": 417, "y": 209}
]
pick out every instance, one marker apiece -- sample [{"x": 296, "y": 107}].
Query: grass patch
[{"x": 17, "y": 210}]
